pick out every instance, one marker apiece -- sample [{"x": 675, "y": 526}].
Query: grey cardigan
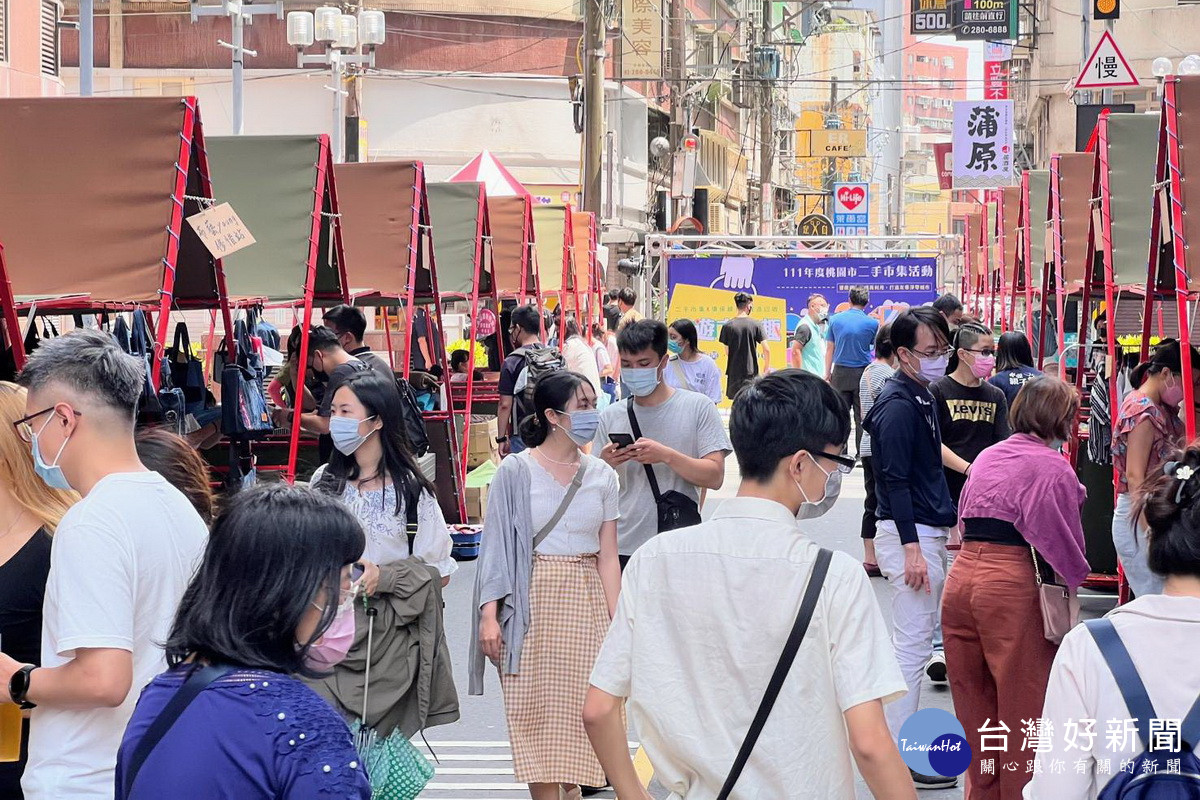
[{"x": 505, "y": 566}]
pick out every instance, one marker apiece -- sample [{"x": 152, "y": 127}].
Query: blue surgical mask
[
  {"x": 641, "y": 381},
  {"x": 52, "y": 474},
  {"x": 675, "y": 347},
  {"x": 583, "y": 425},
  {"x": 345, "y": 435}
]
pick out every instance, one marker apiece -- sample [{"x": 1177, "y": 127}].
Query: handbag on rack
[
  {"x": 187, "y": 372},
  {"x": 675, "y": 509},
  {"x": 164, "y": 406},
  {"x": 803, "y": 617},
  {"x": 244, "y": 413},
  {"x": 1059, "y": 604}
]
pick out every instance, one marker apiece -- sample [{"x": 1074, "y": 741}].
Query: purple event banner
[{"x": 894, "y": 283}]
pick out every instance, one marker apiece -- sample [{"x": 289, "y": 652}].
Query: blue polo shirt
[{"x": 853, "y": 335}]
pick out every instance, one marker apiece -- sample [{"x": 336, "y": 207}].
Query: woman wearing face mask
[
  {"x": 1022, "y": 499},
  {"x": 1147, "y": 430},
  {"x": 973, "y": 413},
  {"x": 547, "y": 585},
  {"x": 259, "y": 611},
  {"x": 406, "y": 563},
  {"x": 688, "y": 367}
]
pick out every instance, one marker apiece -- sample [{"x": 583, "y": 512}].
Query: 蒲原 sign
[{"x": 983, "y": 144}]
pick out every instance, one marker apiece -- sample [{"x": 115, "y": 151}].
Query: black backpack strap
[
  {"x": 197, "y": 682},
  {"x": 637, "y": 434},
  {"x": 807, "y": 606},
  {"x": 1189, "y": 731},
  {"x": 1133, "y": 691}
]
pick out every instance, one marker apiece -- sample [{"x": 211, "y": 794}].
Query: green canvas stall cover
[
  {"x": 1132, "y": 157},
  {"x": 455, "y": 211},
  {"x": 1039, "y": 197},
  {"x": 269, "y": 181},
  {"x": 549, "y": 230}
]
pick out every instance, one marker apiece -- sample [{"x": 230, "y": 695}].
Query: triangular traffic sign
[{"x": 1106, "y": 67}]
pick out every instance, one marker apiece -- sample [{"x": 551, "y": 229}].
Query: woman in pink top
[
  {"x": 1019, "y": 508},
  {"x": 1147, "y": 430}
]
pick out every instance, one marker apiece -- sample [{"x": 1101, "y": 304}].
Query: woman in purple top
[
  {"x": 1020, "y": 511},
  {"x": 273, "y": 581}
]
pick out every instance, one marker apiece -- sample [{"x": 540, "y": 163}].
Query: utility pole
[
  {"x": 831, "y": 162},
  {"x": 239, "y": 14},
  {"x": 1107, "y": 96},
  {"x": 1085, "y": 22},
  {"x": 677, "y": 75},
  {"x": 593, "y": 107},
  {"x": 766, "y": 157}
]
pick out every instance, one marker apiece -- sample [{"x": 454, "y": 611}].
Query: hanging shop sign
[
  {"x": 641, "y": 39},
  {"x": 995, "y": 80},
  {"x": 221, "y": 230},
  {"x": 985, "y": 19},
  {"x": 837, "y": 143},
  {"x": 851, "y": 209},
  {"x": 930, "y": 16},
  {"x": 983, "y": 144}
]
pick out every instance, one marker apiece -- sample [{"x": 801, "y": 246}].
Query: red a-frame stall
[{"x": 84, "y": 225}]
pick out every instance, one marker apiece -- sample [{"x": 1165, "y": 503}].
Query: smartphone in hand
[{"x": 621, "y": 439}]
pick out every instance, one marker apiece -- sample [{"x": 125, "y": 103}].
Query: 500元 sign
[{"x": 931, "y": 16}]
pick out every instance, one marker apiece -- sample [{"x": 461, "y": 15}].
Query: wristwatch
[
  {"x": 501, "y": 439},
  {"x": 18, "y": 686}
]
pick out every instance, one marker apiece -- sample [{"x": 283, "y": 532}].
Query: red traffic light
[{"x": 690, "y": 143}]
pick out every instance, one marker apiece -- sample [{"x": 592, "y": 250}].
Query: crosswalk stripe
[{"x": 475, "y": 771}]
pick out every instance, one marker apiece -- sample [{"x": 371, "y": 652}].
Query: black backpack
[
  {"x": 539, "y": 361},
  {"x": 414, "y": 421}
]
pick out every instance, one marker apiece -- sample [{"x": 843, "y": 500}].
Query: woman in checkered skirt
[{"x": 547, "y": 585}]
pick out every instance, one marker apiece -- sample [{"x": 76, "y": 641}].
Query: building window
[
  {"x": 3, "y": 30},
  {"x": 50, "y": 14},
  {"x": 163, "y": 87}
]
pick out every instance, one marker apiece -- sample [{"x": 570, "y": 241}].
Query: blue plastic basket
[{"x": 466, "y": 542}]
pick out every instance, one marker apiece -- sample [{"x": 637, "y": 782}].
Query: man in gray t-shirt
[{"x": 683, "y": 438}]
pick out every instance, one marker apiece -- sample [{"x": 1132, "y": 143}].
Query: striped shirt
[{"x": 869, "y": 387}]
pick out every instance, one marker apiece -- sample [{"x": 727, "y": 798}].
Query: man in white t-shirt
[
  {"x": 704, "y": 613},
  {"x": 122, "y": 557},
  {"x": 682, "y": 438}
]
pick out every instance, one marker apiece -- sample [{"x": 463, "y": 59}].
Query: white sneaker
[{"x": 936, "y": 667}]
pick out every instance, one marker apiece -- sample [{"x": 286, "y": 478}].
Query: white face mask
[{"x": 811, "y": 509}]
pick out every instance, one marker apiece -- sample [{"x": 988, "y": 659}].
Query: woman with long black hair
[
  {"x": 271, "y": 589},
  {"x": 1014, "y": 364},
  {"x": 547, "y": 585},
  {"x": 376, "y": 476}
]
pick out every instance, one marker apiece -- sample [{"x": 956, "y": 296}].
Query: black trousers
[
  {"x": 871, "y": 503},
  {"x": 845, "y": 380}
]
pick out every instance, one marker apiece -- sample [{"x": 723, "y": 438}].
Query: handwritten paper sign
[{"x": 221, "y": 230}]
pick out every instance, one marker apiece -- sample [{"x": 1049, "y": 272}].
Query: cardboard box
[
  {"x": 481, "y": 443},
  {"x": 476, "y": 503}
]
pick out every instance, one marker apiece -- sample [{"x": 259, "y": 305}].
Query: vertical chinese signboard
[
  {"x": 641, "y": 39},
  {"x": 851, "y": 209},
  {"x": 983, "y": 144},
  {"x": 995, "y": 80}
]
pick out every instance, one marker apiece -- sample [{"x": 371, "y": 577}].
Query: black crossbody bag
[{"x": 675, "y": 509}]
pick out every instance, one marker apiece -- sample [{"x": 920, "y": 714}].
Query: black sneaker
[
  {"x": 932, "y": 781},
  {"x": 590, "y": 791}
]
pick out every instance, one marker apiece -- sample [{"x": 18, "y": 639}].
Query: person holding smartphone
[{"x": 681, "y": 436}]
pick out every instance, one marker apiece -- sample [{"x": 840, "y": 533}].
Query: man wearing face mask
[
  {"x": 809, "y": 338},
  {"x": 330, "y": 362},
  {"x": 122, "y": 558},
  {"x": 736, "y": 586},
  {"x": 914, "y": 507},
  {"x": 682, "y": 439}
]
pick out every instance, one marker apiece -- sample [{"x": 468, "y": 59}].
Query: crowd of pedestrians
[{"x": 169, "y": 643}]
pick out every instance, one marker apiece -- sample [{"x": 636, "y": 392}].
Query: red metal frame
[{"x": 12, "y": 326}]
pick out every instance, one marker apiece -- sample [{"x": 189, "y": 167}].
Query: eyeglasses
[
  {"x": 25, "y": 430},
  {"x": 845, "y": 464},
  {"x": 986, "y": 352},
  {"x": 945, "y": 351}
]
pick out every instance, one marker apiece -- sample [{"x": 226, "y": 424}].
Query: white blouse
[
  {"x": 387, "y": 531},
  {"x": 578, "y": 532}
]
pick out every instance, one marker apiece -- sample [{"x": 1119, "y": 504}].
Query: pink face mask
[
  {"x": 1172, "y": 394},
  {"x": 982, "y": 366},
  {"x": 331, "y": 649}
]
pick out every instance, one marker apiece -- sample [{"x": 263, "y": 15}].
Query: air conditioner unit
[{"x": 717, "y": 222}]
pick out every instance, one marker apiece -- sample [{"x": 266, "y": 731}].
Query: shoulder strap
[
  {"x": 576, "y": 482},
  {"x": 799, "y": 629},
  {"x": 1128, "y": 681},
  {"x": 637, "y": 434},
  {"x": 182, "y": 342},
  {"x": 679, "y": 373},
  {"x": 197, "y": 682},
  {"x": 1189, "y": 731}
]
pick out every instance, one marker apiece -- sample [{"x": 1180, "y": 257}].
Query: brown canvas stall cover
[
  {"x": 1074, "y": 186},
  {"x": 92, "y": 220},
  {"x": 1187, "y": 115},
  {"x": 584, "y": 253},
  {"x": 549, "y": 224},
  {"x": 458, "y": 220},
  {"x": 271, "y": 183},
  {"x": 1131, "y": 142},
  {"x": 380, "y": 217},
  {"x": 511, "y": 222},
  {"x": 1010, "y": 204}
]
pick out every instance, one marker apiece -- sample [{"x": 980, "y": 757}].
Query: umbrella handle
[{"x": 372, "y": 612}]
